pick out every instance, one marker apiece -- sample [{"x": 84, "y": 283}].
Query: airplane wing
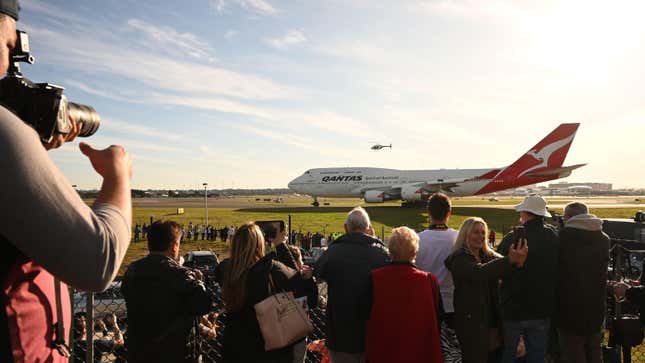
[
  {"x": 435, "y": 185},
  {"x": 443, "y": 184},
  {"x": 429, "y": 186}
]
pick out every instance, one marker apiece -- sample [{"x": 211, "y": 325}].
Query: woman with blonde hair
[
  {"x": 247, "y": 278},
  {"x": 403, "y": 305},
  {"x": 476, "y": 270}
]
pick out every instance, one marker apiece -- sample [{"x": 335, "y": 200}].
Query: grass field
[{"x": 331, "y": 219}]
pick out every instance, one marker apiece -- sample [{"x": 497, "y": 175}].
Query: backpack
[{"x": 32, "y": 322}]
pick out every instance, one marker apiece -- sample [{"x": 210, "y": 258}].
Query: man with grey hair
[
  {"x": 358, "y": 221},
  {"x": 582, "y": 284},
  {"x": 346, "y": 266},
  {"x": 574, "y": 209}
]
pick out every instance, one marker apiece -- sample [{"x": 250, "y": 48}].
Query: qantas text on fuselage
[{"x": 541, "y": 163}]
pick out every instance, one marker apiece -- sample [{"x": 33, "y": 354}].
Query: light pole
[{"x": 206, "y": 202}]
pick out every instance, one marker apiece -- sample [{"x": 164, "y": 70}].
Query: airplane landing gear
[{"x": 315, "y": 203}]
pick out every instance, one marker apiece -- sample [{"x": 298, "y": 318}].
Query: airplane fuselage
[{"x": 354, "y": 182}]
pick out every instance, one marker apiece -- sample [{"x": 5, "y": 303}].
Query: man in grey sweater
[{"x": 46, "y": 229}]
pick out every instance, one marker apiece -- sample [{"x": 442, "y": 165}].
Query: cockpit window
[{"x": 308, "y": 172}]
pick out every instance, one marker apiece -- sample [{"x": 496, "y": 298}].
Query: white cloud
[
  {"x": 216, "y": 157},
  {"x": 48, "y": 10},
  {"x": 89, "y": 53},
  {"x": 218, "y": 5},
  {"x": 134, "y": 128},
  {"x": 104, "y": 141},
  {"x": 280, "y": 136},
  {"x": 257, "y": 6},
  {"x": 230, "y": 34},
  {"x": 299, "y": 141},
  {"x": 292, "y": 37},
  {"x": 321, "y": 120},
  {"x": 171, "y": 39},
  {"x": 479, "y": 10},
  {"x": 93, "y": 90},
  {"x": 370, "y": 52},
  {"x": 147, "y": 158}
]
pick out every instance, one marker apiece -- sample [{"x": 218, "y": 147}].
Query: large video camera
[
  {"x": 632, "y": 230},
  {"x": 41, "y": 105}
]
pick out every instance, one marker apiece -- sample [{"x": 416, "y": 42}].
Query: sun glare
[{"x": 586, "y": 40}]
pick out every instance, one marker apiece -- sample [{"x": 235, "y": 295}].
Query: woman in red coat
[{"x": 404, "y": 307}]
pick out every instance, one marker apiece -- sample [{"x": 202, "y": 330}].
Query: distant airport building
[{"x": 592, "y": 187}]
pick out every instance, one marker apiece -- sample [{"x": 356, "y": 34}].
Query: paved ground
[{"x": 293, "y": 201}]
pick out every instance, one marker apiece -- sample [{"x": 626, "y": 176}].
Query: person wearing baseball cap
[
  {"x": 49, "y": 237},
  {"x": 8, "y": 17},
  {"x": 10, "y": 7},
  {"x": 528, "y": 294}
]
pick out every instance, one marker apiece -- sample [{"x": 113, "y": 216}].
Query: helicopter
[{"x": 379, "y": 146}]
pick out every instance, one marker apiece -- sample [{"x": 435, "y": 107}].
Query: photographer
[
  {"x": 83, "y": 246},
  {"x": 275, "y": 235}
]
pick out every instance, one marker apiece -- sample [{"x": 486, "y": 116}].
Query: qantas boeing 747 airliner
[{"x": 541, "y": 163}]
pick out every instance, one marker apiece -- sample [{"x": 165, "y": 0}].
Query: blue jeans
[{"x": 536, "y": 338}]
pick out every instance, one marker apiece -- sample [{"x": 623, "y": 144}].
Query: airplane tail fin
[
  {"x": 541, "y": 163},
  {"x": 549, "y": 153}
]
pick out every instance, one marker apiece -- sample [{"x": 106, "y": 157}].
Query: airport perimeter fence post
[
  {"x": 89, "y": 323},
  {"x": 291, "y": 241}
]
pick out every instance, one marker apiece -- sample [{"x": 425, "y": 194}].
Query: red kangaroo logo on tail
[{"x": 545, "y": 154}]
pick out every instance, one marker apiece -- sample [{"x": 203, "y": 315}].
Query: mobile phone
[
  {"x": 519, "y": 233},
  {"x": 269, "y": 228}
]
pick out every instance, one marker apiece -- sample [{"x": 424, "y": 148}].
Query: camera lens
[{"x": 87, "y": 115}]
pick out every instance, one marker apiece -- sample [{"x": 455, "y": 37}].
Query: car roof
[{"x": 201, "y": 253}]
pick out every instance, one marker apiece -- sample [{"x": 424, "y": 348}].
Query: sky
[{"x": 251, "y": 93}]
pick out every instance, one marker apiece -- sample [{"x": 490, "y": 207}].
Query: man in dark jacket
[
  {"x": 163, "y": 299},
  {"x": 582, "y": 284},
  {"x": 528, "y": 294},
  {"x": 346, "y": 267}
]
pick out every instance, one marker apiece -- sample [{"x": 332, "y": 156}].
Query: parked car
[
  {"x": 109, "y": 301},
  {"x": 205, "y": 261}
]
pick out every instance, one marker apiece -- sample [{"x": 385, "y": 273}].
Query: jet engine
[
  {"x": 411, "y": 193},
  {"x": 375, "y": 196}
]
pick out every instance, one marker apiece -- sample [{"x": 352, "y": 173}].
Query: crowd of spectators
[
  {"x": 191, "y": 232},
  {"x": 442, "y": 295}
]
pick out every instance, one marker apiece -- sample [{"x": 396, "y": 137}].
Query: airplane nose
[{"x": 291, "y": 184}]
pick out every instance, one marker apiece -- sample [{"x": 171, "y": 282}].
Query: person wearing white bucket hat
[
  {"x": 528, "y": 294},
  {"x": 533, "y": 204}
]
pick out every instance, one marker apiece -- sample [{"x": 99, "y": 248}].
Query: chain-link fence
[{"x": 103, "y": 328}]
